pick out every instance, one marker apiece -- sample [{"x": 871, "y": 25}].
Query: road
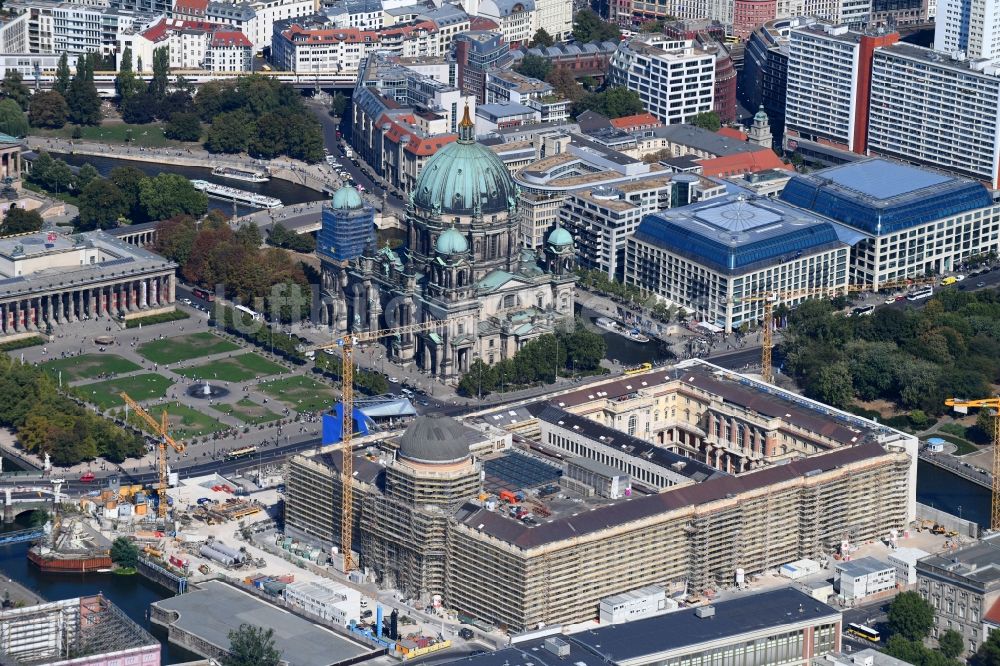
[{"x": 871, "y": 615}]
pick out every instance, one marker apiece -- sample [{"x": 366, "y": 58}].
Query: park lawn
[
  {"x": 300, "y": 393},
  {"x": 88, "y": 366},
  {"x": 147, "y": 386},
  {"x": 185, "y": 347},
  {"x": 962, "y": 446},
  {"x": 150, "y": 136},
  {"x": 248, "y": 411},
  {"x": 183, "y": 422},
  {"x": 236, "y": 369}
]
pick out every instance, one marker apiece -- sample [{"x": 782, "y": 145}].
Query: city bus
[
  {"x": 636, "y": 369},
  {"x": 246, "y": 451},
  {"x": 203, "y": 294},
  {"x": 861, "y": 631}
]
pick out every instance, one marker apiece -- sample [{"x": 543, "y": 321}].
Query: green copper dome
[
  {"x": 464, "y": 177},
  {"x": 560, "y": 237},
  {"x": 347, "y": 198},
  {"x": 451, "y": 242}
]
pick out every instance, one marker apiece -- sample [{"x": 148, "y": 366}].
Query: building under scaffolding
[{"x": 86, "y": 630}]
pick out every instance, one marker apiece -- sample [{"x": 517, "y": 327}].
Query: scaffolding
[{"x": 70, "y": 629}]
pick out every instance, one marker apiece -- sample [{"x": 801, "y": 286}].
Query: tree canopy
[
  {"x": 170, "y": 194},
  {"x": 251, "y": 646},
  {"x": 589, "y": 27},
  {"x": 183, "y": 127},
  {"x": 614, "y": 102},
  {"x": 707, "y": 120},
  {"x": 124, "y": 552},
  {"x": 19, "y": 221},
  {"x": 534, "y": 66},
  {"x": 542, "y": 39},
  {"x": 102, "y": 205},
  {"x": 48, "y": 109},
  {"x": 915, "y": 357},
  {"x": 910, "y": 616},
  {"x": 12, "y": 87},
  {"x": 12, "y": 118}
]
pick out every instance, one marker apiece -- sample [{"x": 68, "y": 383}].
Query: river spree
[{"x": 288, "y": 192}]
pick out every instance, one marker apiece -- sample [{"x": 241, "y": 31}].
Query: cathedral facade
[{"x": 463, "y": 266}]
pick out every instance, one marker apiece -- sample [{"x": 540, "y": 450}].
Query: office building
[
  {"x": 963, "y": 586},
  {"x": 857, "y": 580},
  {"x": 910, "y": 221},
  {"x": 326, "y": 600},
  {"x": 712, "y": 257},
  {"x": 478, "y": 53},
  {"x": 905, "y": 560},
  {"x": 53, "y": 27},
  {"x": 512, "y": 543},
  {"x": 581, "y": 59},
  {"x": 51, "y": 279},
  {"x": 969, "y": 27},
  {"x": 674, "y": 79}
]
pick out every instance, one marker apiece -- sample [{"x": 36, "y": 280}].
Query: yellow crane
[
  {"x": 994, "y": 404},
  {"x": 160, "y": 428},
  {"x": 771, "y": 297},
  {"x": 346, "y": 345}
]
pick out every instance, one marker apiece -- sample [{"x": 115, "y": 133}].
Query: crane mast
[
  {"x": 160, "y": 428},
  {"x": 346, "y": 345}
]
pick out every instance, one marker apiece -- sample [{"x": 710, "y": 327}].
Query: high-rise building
[
  {"x": 675, "y": 79},
  {"x": 479, "y": 52},
  {"x": 971, "y": 27}
]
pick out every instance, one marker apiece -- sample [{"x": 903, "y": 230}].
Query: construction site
[
  {"x": 85, "y": 630},
  {"x": 690, "y": 477}
]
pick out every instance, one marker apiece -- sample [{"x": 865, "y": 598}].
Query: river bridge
[{"x": 967, "y": 471}]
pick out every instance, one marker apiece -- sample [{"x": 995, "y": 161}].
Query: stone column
[
  {"x": 733, "y": 425},
  {"x": 31, "y": 313},
  {"x": 712, "y": 420},
  {"x": 60, "y": 319},
  {"x": 3, "y": 319},
  {"x": 171, "y": 287},
  {"x": 142, "y": 293},
  {"x": 154, "y": 291},
  {"x": 49, "y": 313},
  {"x": 17, "y": 316}
]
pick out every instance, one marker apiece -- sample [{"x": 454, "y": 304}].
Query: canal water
[
  {"x": 626, "y": 351},
  {"x": 289, "y": 193},
  {"x": 949, "y": 492}
]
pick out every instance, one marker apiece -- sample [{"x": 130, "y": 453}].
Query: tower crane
[
  {"x": 160, "y": 428},
  {"x": 994, "y": 404},
  {"x": 771, "y": 297},
  {"x": 346, "y": 345}
]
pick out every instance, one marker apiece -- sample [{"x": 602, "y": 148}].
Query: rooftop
[
  {"x": 862, "y": 567},
  {"x": 866, "y": 657},
  {"x": 703, "y": 140},
  {"x": 735, "y": 234},
  {"x": 880, "y": 196},
  {"x": 978, "y": 564},
  {"x": 766, "y": 611}
]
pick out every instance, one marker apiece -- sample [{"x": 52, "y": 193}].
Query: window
[{"x": 631, "y": 425}]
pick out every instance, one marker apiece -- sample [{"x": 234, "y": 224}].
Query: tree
[
  {"x": 589, "y": 27},
  {"x": 124, "y": 552},
  {"x": 564, "y": 82},
  {"x": 230, "y": 132},
  {"x": 141, "y": 108},
  {"x": 58, "y": 177},
  {"x": 951, "y": 644},
  {"x": 988, "y": 653},
  {"x": 183, "y": 127},
  {"x": 248, "y": 234},
  {"x": 85, "y": 174},
  {"x": 82, "y": 98},
  {"x": 12, "y": 119},
  {"x": 177, "y": 101},
  {"x": 61, "y": 84},
  {"x": 101, "y": 205},
  {"x": 47, "y": 109},
  {"x": 12, "y": 87},
  {"x": 910, "y": 616},
  {"x": 129, "y": 180},
  {"x": 542, "y": 39},
  {"x": 251, "y": 646},
  {"x": 534, "y": 66},
  {"x": 170, "y": 194},
  {"x": 613, "y": 103},
  {"x": 161, "y": 69},
  {"x": 707, "y": 120},
  {"x": 126, "y": 83},
  {"x": 338, "y": 105},
  {"x": 20, "y": 221},
  {"x": 832, "y": 385}
]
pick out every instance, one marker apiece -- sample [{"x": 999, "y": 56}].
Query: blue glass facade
[
  {"x": 345, "y": 233},
  {"x": 680, "y": 239},
  {"x": 824, "y": 197}
]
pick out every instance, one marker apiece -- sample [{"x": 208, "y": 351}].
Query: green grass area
[
  {"x": 88, "y": 366},
  {"x": 146, "y": 386},
  {"x": 300, "y": 393},
  {"x": 183, "y": 422},
  {"x": 236, "y": 369},
  {"x": 160, "y": 318},
  {"x": 150, "y": 135},
  {"x": 21, "y": 343},
  {"x": 248, "y": 411},
  {"x": 963, "y": 446},
  {"x": 185, "y": 347}
]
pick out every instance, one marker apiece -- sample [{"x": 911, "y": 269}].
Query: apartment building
[
  {"x": 675, "y": 79},
  {"x": 192, "y": 45},
  {"x": 309, "y": 47},
  {"x": 969, "y": 27},
  {"x": 478, "y": 53},
  {"x": 67, "y": 27}
]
